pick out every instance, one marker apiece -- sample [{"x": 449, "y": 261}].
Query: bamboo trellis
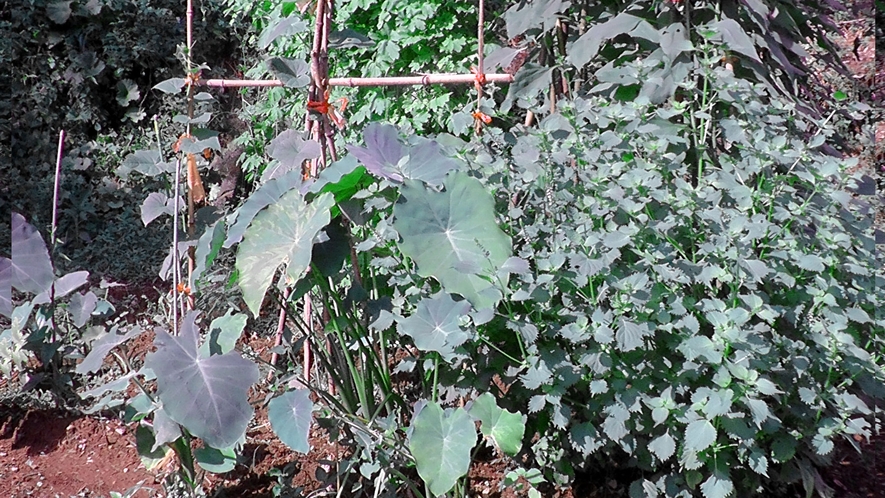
[{"x": 320, "y": 129}]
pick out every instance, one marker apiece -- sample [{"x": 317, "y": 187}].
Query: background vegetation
[{"x": 657, "y": 257}]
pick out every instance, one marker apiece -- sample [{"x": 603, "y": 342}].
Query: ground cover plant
[{"x": 658, "y": 265}]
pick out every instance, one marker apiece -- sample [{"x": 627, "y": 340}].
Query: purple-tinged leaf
[
  {"x": 587, "y": 46},
  {"x": 102, "y": 346},
  {"x": 6, "y": 287},
  {"x": 64, "y": 286},
  {"x": 208, "y": 396},
  {"x": 157, "y": 204},
  {"x": 165, "y": 429},
  {"x": 736, "y": 38},
  {"x": 384, "y": 156},
  {"x": 31, "y": 266},
  {"x": 81, "y": 307},
  {"x": 290, "y": 149}
]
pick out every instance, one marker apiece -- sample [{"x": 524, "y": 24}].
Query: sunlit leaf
[
  {"x": 440, "y": 230},
  {"x": 441, "y": 444},
  {"x": 290, "y": 418},
  {"x": 208, "y": 396},
  {"x": 283, "y": 234}
]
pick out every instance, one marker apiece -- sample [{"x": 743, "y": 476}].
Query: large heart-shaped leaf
[
  {"x": 290, "y": 416},
  {"x": 446, "y": 232},
  {"x": 587, "y": 46},
  {"x": 441, "y": 444},
  {"x": 208, "y": 396},
  {"x": 31, "y": 266},
  {"x": 503, "y": 427},
  {"x": 282, "y": 234},
  {"x": 434, "y": 325},
  {"x": 266, "y": 195}
]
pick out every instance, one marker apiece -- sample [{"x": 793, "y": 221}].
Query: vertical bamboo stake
[{"x": 192, "y": 173}]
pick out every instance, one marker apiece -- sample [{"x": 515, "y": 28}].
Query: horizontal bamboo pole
[{"x": 427, "y": 79}]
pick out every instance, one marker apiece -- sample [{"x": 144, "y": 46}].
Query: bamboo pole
[{"x": 427, "y": 79}]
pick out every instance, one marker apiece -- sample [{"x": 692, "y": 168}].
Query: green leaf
[
  {"x": 282, "y": 234},
  {"x": 718, "y": 485},
  {"x": 172, "y": 85},
  {"x": 59, "y": 12},
  {"x": 215, "y": 460},
  {"x": 286, "y": 26},
  {"x": 223, "y": 334},
  {"x": 839, "y": 96},
  {"x": 447, "y": 231},
  {"x": 290, "y": 418},
  {"x": 294, "y": 73},
  {"x": 441, "y": 444},
  {"x": 505, "y": 428},
  {"x": 699, "y": 435},
  {"x": 434, "y": 325},
  {"x": 663, "y": 446},
  {"x": 127, "y": 91}
]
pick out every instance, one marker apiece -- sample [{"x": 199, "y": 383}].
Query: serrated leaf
[
  {"x": 630, "y": 335},
  {"x": 208, "y": 396},
  {"x": 290, "y": 416},
  {"x": 434, "y": 325},
  {"x": 282, "y": 234},
  {"x": 503, "y": 427},
  {"x": 811, "y": 262},
  {"x": 31, "y": 267},
  {"x": 663, "y": 446},
  {"x": 441, "y": 444},
  {"x": 699, "y": 435},
  {"x": 294, "y": 73},
  {"x": 59, "y": 12},
  {"x": 102, "y": 346},
  {"x": 718, "y": 485},
  {"x": 439, "y": 230}
]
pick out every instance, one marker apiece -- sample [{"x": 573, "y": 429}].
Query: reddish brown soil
[{"x": 46, "y": 455}]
